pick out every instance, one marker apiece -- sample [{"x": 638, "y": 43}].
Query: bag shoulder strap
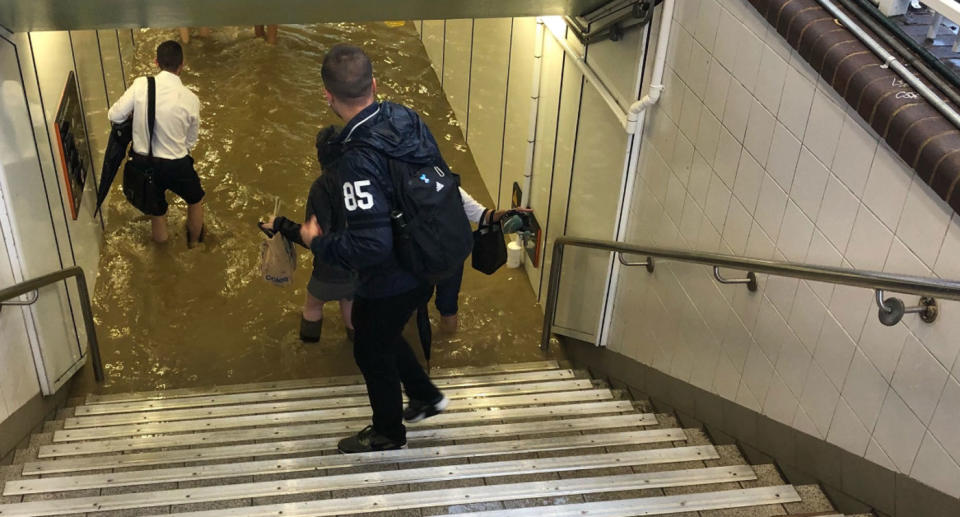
[{"x": 151, "y": 112}]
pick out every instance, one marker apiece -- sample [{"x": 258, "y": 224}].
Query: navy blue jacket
[{"x": 381, "y": 130}]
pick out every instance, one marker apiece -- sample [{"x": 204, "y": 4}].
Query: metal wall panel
[
  {"x": 432, "y": 34},
  {"x": 457, "y": 53},
  {"x": 518, "y": 107}
]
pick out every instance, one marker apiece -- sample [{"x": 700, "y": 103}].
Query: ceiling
[{"x": 30, "y": 15}]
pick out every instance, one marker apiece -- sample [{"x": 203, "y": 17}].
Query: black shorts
[{"x": 178, "y": 176}]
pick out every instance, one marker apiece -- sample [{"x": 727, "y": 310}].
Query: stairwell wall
[{"x": 750, "y": 153}]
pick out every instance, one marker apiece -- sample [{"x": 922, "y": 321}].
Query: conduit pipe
[
  {"x": 637, "y": 109},
  {"x": 592, "y": 77},
  {"x": 534, "y": 113},
  {"x": 890, "y": 60}
]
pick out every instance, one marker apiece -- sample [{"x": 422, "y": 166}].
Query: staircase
[{"x": 526, "y": 439}]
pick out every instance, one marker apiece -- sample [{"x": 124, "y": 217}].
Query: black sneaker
[
  {"x": 369, "y": 440},
  {"x": 417, "y": 410}
]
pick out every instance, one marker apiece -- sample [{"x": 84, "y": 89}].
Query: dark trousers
[
  {"x": 386, "y": 360},
  {"x": 447, "y": 292}
]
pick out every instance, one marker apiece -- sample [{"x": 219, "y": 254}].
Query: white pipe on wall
[
  {"x": 637, "y": 109},
  {"x": 534, "y": 113}
]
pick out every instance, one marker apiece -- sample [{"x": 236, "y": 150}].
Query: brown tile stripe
[{"x": 925, "y": 140}]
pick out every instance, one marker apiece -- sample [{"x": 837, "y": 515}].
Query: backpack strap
[{"x": 151, "y": 112}]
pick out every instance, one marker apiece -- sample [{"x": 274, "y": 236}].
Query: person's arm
[
  {"x": 123, "y": 108},
  {"x": 367, "y": 239},
  {"x": 471, "y": 207},
  {"x": 193, "y": 129}
]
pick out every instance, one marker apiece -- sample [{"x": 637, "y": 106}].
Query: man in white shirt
[{"x": 174, "y": 135}]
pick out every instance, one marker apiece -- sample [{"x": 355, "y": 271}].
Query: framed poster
[{"x": 71, "y": 133}]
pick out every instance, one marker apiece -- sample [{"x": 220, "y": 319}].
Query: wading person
[
  {"x": 328, "y": 282},
  {"x": 387, "y": 294},
  {"x": 174, "y": 134}
]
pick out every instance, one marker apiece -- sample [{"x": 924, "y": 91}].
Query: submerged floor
[{"x": 172, "y": 317}]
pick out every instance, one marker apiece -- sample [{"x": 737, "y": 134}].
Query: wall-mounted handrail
[
  {"x": 17, "y": 290},
  {"x": 875, "y": 280}
]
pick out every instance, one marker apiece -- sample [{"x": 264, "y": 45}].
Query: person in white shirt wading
[{"x": 174, "y": 135}]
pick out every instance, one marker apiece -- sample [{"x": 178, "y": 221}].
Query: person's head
[
  {"x": 348, "y": 79},
  {"x": 170, "y": 57}
]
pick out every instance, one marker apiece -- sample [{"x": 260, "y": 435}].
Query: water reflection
[{"x": 172, "y": 317}]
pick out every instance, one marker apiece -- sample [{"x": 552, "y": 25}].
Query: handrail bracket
[
  {"x": 649, "y": 263},
  {"x": 892, "y": 310},
  {"x": 750, "y": 280}
]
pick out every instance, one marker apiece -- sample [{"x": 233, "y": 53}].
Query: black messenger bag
[
  {"x": 489, "y": 248},
  {"x": 139, "y": 175}
]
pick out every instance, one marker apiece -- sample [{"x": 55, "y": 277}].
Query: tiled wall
[{"x": 750, "y": 153}]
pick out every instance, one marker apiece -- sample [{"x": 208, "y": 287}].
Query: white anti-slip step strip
[
  {"x": 656, "y": 505},
  {"x": 311, "y": 393},
  {"x": 435, "y": 373},
  {"x": 359, "y": 480},
  {"x": 174, "y": 415},
  {"x": 100, "y": 460},
  {"x": 117, "y": 431},
  {"x": 211, "y": 438},
  {"x": 313, "y": 463},
  {"x": 488, "y": 493}
]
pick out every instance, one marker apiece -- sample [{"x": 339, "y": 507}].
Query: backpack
[{"x": 431, "y": 234}]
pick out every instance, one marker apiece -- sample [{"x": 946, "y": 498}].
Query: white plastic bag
[{"x": 278, "y": 259}]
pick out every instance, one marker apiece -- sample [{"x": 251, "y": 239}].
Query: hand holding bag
[
  {"x": 489, "y": 248},
  {"x": 139, "y": 175},
  {"x": 278, "y": 259}
]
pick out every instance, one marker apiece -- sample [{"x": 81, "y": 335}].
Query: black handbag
[
  {"x": 489, "y": 248},
  {"x": 139, "y": 175}
]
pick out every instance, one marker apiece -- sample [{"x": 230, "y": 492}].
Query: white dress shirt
[
  {"x": 178, "y": 116},
  {"x": 471, "y": 207}
]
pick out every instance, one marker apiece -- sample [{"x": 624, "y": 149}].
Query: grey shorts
[{"x": 327, "y": 291}]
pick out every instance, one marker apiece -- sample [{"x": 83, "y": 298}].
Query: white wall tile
[
  {"x": 784, "y": 153},
  {"x": 793, "y": 364},
  {"x": 837, "y": 213},
  {"x": 747, "y": 64},
  {"x": 887, "y": 186},
  {"x": 869, "y": 242},
  {"x": 699, "y": 69},
  {"x": 834, "y": 351},
  {"x": 876, "y": 454},
  {"x": 749, "y": 178},
  {"x": 690, "y": 114},
  {"x": 771, "y": 79},
  {"x": 804, "y": 423},
  {"x": 736, "y": 228},
  {"x": 823, "y": 128},
  {"x": 823, "y": 253},
  {"x": 678, "y": 51},
  {"x": 760, "y": 127},
  {"x": 727, "y": 379},
  {"x": 725, "y": 48},
  {"x": 771, "y": 205},
  {"x": 675, "y": 196},
  {"x": 898, "y": 431},
  {"x": 795, "y": 233},
  {"x": 809, "y": 184},
  {"x": 851, "y": 307},
  {"x": 736, "y": 111},
  {"x": 718, "y": 84},
  {"x": 718, "y": 202},
  {"x": 902, "y": 260},
  {"x": 690, "y": 221},
  {"x": 806, "y": 318},
  {"x": 936, "y": 468},
  {"x": 946, "y": 419},
  {"x": 747, "y": 399},
  {"x": 781, "y": 291},
  {"x": 883, "y": 345},
  {"x": 770, "y": 331},
  {"x": 854, "y": 156},
  {"x": 682, "y": 157},
  {"x": 699, "y": 182},
  {"x": 729, "y": 151},
  {"x": 947, "y": 265},
  {"x": 708, "y": 136},
  {"x": 919, "y": 379},
  {"x": 796, "y": 102},
  {"x": 707, "y": 22},
  {"x": 847, "y": 431},
  {"x": 781, "y": 404},
  {"x": 819, "y": 399},
  {"x": 924, "y": 221},
  {"x": 672, "y": 96},
  {"x": 941, "y": 337},
  {"x": 865, "y": 389},
  {"x": 759, "y": 245},
  {"x": 757, "y": 373}
]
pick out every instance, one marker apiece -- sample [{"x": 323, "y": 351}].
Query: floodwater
[{"x": 171, "y": 317}]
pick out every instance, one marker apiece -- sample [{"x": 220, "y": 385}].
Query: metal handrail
[
  {"x": 17, "y": 290},
  {"x": 891, "y": 310}
]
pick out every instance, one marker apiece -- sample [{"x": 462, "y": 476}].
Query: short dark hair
[
  {"x": 347, "y": 73},
  {"x": 169, "y": 55}
]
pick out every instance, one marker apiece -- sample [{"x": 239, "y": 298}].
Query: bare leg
[
  {"x": 346, "y": 309},
  {"x": 313, "y": 308},
  {"x": 194, "y": 222},
  {"x": 272, "y": 34},
  {"x": 205, "y": 32},
  {"x": 258, "y": 31},
  {"x": 185, "y": 35},
  {"x": 158, "y": 227}
]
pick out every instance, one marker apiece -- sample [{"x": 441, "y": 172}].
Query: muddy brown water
[{"x": 171, "y": 317}]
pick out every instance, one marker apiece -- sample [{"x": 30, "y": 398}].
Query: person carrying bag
[{"x": 139, "y": 175}]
